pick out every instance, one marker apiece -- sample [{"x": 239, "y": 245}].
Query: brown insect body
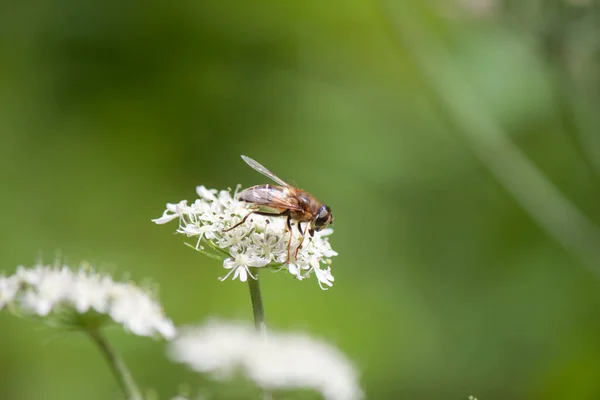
[
  {"x": 285, "y": 200},
  {"x": 300, "y": 205}
]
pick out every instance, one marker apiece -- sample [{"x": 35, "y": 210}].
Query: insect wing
[
  {"x": 261, "y": 168},
  {"x": 270, "y": 197}
]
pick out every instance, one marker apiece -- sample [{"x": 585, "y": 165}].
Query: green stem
[
  {"x": 259, "y": 314},
  {"x": 118, "y": 367}
]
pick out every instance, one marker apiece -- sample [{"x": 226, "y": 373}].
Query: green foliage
[{"x": 445, "y": 284}]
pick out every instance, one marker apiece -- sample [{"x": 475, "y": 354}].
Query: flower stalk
[
  {"x": 258, "y": 310},
  {"x": 220, "y": 225},
  {"x": 117, "y": 366}
]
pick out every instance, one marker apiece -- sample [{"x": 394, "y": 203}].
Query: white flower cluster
[
  {"x": 262, "y": 241},
  {"x": 46, "y": 290},
  {"x": 282, "y": 361}
]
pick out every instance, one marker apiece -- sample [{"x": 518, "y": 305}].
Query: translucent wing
[
  {"x": 260, "y": 168},
  {"x": 269, "y": 196}
]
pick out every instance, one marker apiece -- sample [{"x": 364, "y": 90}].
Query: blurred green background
[{"x": 443, "y": 134}]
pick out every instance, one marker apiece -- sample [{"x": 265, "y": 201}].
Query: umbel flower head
[
  {"x": 282, "y": 361},
  {"x": 260, "y": 242},
  {"x": 82, "y": 299}
]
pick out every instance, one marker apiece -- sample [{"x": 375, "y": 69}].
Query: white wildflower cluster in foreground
[
  {"x": 282, "y": 361},
  {"x": 202, "y": 396},
  {"x": 64, "y": 296},
  {"x": 261, "y": 241}
]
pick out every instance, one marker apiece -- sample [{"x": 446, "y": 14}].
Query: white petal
[
  {"x": 242, "y": 273},
  {"x": 167, "y": 329},
  {"x": 208, "y": 194},
  {"x": 257, "y": 262},
  {"x": 8, "y": 290},
  {"x": 325, "y": 232},
  {"x": 43, "y": 307},
  {"x": 166, "y": 217},
  {"x": 228, "y": 263},
  {"x": 324, "y": 276},
  {"x": 295, "y": 270}
]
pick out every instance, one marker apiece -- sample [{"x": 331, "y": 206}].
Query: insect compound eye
[{"x": 323, "y": 217}]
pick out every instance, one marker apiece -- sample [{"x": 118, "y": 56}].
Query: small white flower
[
  {"x": 88, "y": 291},
  {"x": 261, "y": 241},
  {"x": 206, "y": 194},
  {"x": 324, "y": 277},
  {"x": 8, "y": 289},
  {"x": 234, "y": 238},
  {"x": 139, "y": 313},
  {"x": 240, "y": 263},
  {"x": 282, "y": 361},
  {"x": 199, "y": 396},
  {"x": 296, "y": 270},
  {"x": 48, "y": 290},
  {"x": 268, "y": 245},
  {"x": 172, "y": 212}
]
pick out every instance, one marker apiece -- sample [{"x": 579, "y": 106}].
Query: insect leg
[
  {"x": 249, "y": 214},
  {"x": 300, "y": 244},
  {"x": 289, "y": 224},
  {"x": 300, "y": 228}
]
